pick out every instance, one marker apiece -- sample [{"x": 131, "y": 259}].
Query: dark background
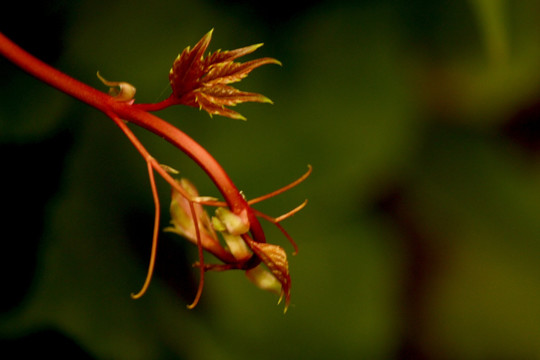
[{"x": 421, "y": 239}]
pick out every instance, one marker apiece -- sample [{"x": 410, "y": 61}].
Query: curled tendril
[{"x": 120, "y": 90}]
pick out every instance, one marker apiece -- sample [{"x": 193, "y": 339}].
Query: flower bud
[
  {"x": 237, "y": 246},
  {"x": 264, "y": 279},
  {"x": 234, "y": 224},
  {"x": 181, "y": 217}
]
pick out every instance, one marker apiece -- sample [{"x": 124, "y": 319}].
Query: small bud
[
  {"x": 169, "y": 169},
  {"x": 120, "y": 90},
  {"x": 264, "y": 279},
  {"x": 235, "y": 224},
  {"x": 181, "y": 217},
  {"x": 218, "y": 225},
  {"x": 237, "y": 247}
]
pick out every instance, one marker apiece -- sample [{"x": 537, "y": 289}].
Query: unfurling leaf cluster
[{"x": 203, "y": 82}]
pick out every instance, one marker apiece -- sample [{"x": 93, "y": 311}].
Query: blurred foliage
[{"x": 422, "y": 235}]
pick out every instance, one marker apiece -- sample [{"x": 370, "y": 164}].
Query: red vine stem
[{"x": 128, "y": 112}]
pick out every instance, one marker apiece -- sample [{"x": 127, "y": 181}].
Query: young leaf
[
  {"x": 202, "y": 82},
  {"x": 275, "y": 258}
]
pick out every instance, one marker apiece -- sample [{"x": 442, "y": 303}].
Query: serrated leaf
[
  {"x": 229, "y": 72},
  {"x": 223, "y": 95},
  {"x": 200, "y": 81},
  {"x": 189, "y": 67},
  {"x": 275, "y": 258},
  {"x": 220, "y": 56}
]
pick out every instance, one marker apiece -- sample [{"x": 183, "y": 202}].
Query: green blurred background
[{"x": 421, "y": 239}]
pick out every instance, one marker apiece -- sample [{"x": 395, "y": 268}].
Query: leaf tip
[
  {"x": 266, "y": 100},
  {"x": 277, "y": 62},
  {"x": 238, "y": 116},
  {"x": 255, "y": 47}
]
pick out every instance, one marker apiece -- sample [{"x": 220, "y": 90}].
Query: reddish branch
[
  {"x": 196, "y": 81},
  {"x": 125, "y": 111}
]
